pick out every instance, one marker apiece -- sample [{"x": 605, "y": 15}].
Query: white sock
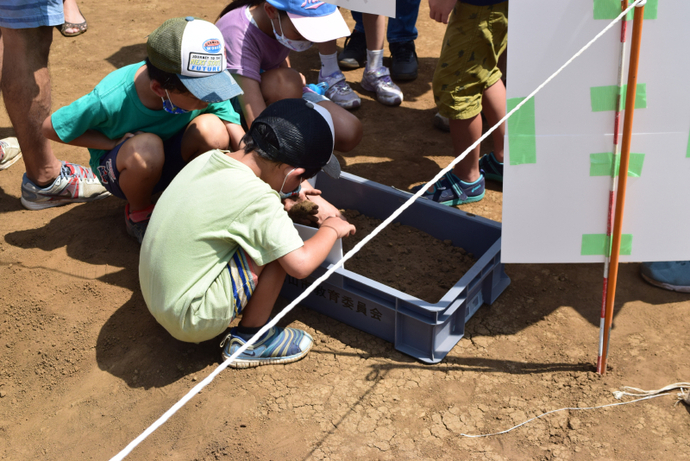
[
  {"x": 374, "y": 59},
  {"x": 329, "y": 63}
]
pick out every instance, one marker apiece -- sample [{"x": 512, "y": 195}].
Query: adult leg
[
  {"x": 26, "y": 92},
  {"x": 75, "y": 23},
  {"x": 402, "y": 32},
  {"x": 355, "y": 51}
]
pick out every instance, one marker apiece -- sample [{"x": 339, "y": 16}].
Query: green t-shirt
[
  {"x": 213, "y": 206},
  {"x": 114, "y": 109}
]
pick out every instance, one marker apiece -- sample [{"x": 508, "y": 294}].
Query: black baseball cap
[{"x": 304, "y": 133}]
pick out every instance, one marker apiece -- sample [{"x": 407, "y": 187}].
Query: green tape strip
[
  {"x": 601, "y": 165},
  {"x": 522, "y": 134},
  {"x": 604, "y": 97},
  {"x": 597, "y": 245},
  {"x": 610, "y": 9},
  {"x": 687, "y": 151}
]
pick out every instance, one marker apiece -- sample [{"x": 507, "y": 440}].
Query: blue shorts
[
  {"x": 110, "y": 176},
  {"x": 29, "y": 14}
]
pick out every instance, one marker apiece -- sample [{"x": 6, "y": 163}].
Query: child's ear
[
  {"x": 270, "y": 10},
  {"x": 157, "y": 88}
]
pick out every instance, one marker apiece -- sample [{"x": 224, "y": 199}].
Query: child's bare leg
[
  {"x": 463, "y": 133},
  {"x": 348, "y": 128},
  {"x": 494, "y": 107},
  {"x": 328, "y": 47},
  {"x": 204, "y": 133},
  {"x": 281, "y": 83},
  {"x": 258, "y": 309},
  {"x": 140, "y": 163},
  {"x": 374, "y": 30}
]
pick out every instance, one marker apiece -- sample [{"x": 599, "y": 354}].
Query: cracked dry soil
[{"x": 84, "y": 368}]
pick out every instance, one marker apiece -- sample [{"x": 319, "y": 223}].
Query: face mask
[
  {"x": 294, "y": 193},
  {"x": 294, "y": 45},
  {"x": 171, "y": 108}
]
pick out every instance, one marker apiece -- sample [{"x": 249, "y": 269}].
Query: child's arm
[
  {"x": 252, "y": 101},
  {"x": 302, "y": 261},
  {"x": 91, "y": 138}
]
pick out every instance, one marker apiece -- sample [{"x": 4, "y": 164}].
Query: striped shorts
[
  {"x": 243, "y": 275},
  {"x": 22, "y": 14}
]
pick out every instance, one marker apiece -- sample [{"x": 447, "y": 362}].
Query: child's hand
[
  {"x": 301, "y": 210},
  {"x": 339, "y": 225},
  {"x": 439, "y": 10}
]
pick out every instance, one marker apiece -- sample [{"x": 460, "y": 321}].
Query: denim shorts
[
  {"x": 23, "y": 14},
  {"x": 110, "y": 176}
]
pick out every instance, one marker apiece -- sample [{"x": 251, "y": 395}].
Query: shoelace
[{"x": 71, "y": 169}]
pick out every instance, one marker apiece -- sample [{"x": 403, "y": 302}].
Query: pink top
[{"x": 249, "y": 51}]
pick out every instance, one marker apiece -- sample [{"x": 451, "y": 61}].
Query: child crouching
[{"x": 220, "y": 243}]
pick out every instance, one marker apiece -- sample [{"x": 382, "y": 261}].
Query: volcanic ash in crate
[{"x": 406, "y": 258}]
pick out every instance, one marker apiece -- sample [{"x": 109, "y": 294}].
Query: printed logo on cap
[
  {"x": 313, "y": 4},
  {"x": 211, "y": 45},
  {"x": 202, "y": 50}
]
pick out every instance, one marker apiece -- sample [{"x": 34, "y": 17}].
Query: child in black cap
[{"x": 228, "y": 250}]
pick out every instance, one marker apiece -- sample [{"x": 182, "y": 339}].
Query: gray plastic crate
[{"x": 418, "y": 328}]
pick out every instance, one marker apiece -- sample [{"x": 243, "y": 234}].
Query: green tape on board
[
  {"x": 522, "y": 134},
  {"x": 595, "y": 245},
  {"x": 610, "y": 9},
  {"x": 687, "y": 151},
  {"x": 604, "y": 97},
  {"x": 600, "y": 164}
]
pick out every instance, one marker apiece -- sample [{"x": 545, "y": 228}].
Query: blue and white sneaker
[
  {"x": 493, "y": 169},
  {"x": 669, "y": 275},
  {"x": 276, "y": 346},
  {"x": 451, "y": 190},
  {"x": 339, "y": 91}
]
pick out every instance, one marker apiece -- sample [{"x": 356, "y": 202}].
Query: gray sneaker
[
  {"x": 10, "y": 152},
  {"x": 379, "y": 81},
  {"x": 74, "y": 184},
  {"x": 339, "y": 91}
]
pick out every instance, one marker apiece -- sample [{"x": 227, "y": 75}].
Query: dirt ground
[{"x": 84, "y": 368}]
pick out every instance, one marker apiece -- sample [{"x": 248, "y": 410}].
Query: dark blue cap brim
[{"x": 214, "y": 88}]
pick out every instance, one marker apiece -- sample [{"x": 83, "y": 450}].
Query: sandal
[{"x": 81, "y": 27}]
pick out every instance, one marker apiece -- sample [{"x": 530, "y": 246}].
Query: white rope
[
  {"x": 564, "y": 409},
  {"x": 683, "y": 395},
  {"x": 196, "y": 389}
]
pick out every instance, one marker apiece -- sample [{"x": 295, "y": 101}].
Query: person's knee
[
  {"x": 281, "y": 83},
  {"x": 30, "y": 44},
  {"x": 348, "y": 128},
  {"x": 209, "y": 129},
  {"x": 143, "y": 153}
]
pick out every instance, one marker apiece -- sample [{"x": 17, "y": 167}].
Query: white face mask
[{"x": 294, "y": 45}]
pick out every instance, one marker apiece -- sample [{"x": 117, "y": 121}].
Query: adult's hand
[{"x": 439, "y": 10}]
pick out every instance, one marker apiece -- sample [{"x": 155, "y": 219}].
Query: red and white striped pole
[
  {"x": 610, "y": 282},
  {"x": 612, "y": 189}
]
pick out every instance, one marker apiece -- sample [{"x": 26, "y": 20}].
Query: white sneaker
[
  {"x": 379, "y": 81},
  {"x": 74, "y": 184},
  {"x": 339, "y": 91},
  {"x": 10, "y": 152}
]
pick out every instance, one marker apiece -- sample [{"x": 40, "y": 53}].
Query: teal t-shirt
[
  {"x": 114, "y": 109},
  {"x": 213, "y": 206}
]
